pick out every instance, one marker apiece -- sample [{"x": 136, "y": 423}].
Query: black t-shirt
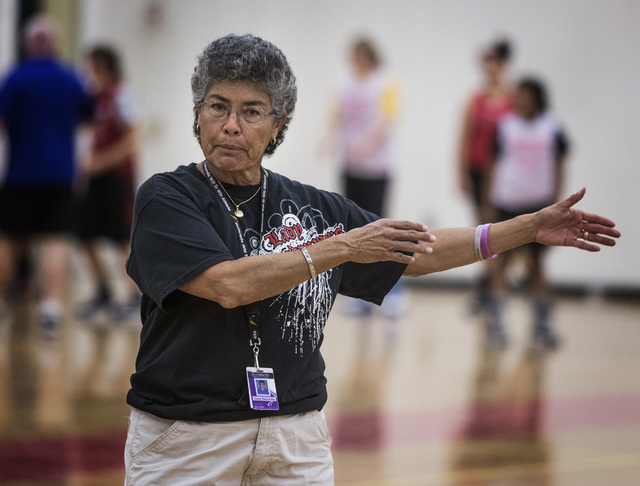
[{"x": 193, "y": 352}]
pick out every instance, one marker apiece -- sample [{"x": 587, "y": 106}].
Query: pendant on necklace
[{"x": 238, "y": 212}]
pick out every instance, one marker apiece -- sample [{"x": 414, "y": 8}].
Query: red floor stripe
[
  {"x": 492, "y": 420},
  {"x": 56, "y": 458}
]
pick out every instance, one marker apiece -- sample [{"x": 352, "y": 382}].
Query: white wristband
[{"x": 476, "y": 243}]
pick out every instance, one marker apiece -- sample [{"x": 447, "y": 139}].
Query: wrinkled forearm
[
  {"x": 250, "y": 279},
  {"x": 454, "y": 246}
]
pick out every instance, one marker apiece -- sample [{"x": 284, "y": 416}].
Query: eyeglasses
[{"x": 249, "y": 115}]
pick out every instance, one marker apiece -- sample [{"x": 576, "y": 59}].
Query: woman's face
[
  {"x": 360, "y": 60},
  {"x": 233, "y": 148},
  {"x": 525, "y": 104},
  {"x": 98, "y": 75},
  {"x": 492, "y": 67}
]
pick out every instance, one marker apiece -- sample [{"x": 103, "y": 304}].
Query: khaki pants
[{"x": 287, "y": 450}]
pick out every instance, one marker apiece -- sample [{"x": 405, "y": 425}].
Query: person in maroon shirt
[
  {"x": 475, "y": 152},
  {"x": 107, "y": 201}
]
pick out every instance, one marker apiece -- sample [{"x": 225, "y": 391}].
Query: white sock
[{"x": 51, "y": 308}]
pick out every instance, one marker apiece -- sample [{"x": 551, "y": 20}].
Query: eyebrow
[{"x": 228, "y": 102}]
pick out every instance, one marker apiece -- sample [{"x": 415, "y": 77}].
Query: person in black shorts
[
  {"x": 106, "y": 205},
  {"x": 42, "y": 104}
]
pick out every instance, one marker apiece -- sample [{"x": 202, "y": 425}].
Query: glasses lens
[
  {"x": 251, "y": 116},
  {"x": 215, "y": 110},
  {"x": 248, "y": 115}
]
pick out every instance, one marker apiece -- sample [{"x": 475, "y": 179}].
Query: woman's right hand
[{"x": 384, "y": 239}]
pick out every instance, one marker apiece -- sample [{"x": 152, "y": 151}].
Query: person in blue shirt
[{"x": 42, "y": 104}]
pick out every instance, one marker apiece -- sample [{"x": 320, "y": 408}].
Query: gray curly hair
[{"x": 246, "y": 58}]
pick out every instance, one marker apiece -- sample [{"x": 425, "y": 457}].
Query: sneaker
[
  {"x": 125, "y": 311},
  {"x": 478, "y": 306},
  {"x": 91, "y": 309},
  {"x": 495, "y": 338},
  {"x": 544, "y": 339},
  {"x": 49, "y": 326},
  {"x": 543, "y": 335}
]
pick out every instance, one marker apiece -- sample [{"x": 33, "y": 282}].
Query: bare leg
[
  {"x": 96, "y": 266},
  {"x": 8, "y": 253},
  {"x": 543, "y": 335},
  {"x": 130, "y": 307},
  {"x": 496, "y": 337},
  {"x": 54, "y": 267},
  {"x": 53, "y": 271}
]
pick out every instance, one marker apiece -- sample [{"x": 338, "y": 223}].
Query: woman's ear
[{"x": 279, "y": 125}]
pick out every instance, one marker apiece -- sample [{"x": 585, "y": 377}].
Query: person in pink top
[
  {"x": 362, "y": 130},
  {"x": 486, "y": 106}
]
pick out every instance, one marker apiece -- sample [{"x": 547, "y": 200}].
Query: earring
[
  {"x": 198, "y": 128},
  {"x": 273, "y": 141}
]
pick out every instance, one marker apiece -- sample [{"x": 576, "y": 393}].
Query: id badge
[{"x": 262, "y": 389}]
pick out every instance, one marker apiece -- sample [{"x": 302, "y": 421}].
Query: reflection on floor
[{"x": 413, "y": 401}]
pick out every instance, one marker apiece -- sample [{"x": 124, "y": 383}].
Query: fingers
[
  {"x": 576, "y": 197},
  {"x": 583, "y": 245},
  {"x": 593, "y": 234},
  {"x": 598, "y": 229},
  {"x": 596, "y": 218},
  {"x": 391, "y": 240},
  {"x": 602, "y": 235},
  {"x": 408, "y": 230},
  {"x": 401, "y": 250}
]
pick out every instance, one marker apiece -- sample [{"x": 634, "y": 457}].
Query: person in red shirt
[
  {"x": 107, "y": 204},
  {"x": 475, "y": 152}
]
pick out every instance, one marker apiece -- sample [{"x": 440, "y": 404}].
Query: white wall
[
  {"x": 8, "y": 21},
  {"x": 585, "y": 49}
]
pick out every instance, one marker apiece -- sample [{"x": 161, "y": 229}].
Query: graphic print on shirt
[{"x": 305, "y": 308}]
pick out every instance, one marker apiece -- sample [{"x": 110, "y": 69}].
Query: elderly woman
[{"x": 239, "y": 267}]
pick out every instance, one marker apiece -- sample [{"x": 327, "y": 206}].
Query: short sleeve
[
  {"x": 172, "y": 241},
  {"x": 561, "y": 145},
  {"x": 391, "y": 100},
  {"x": 370, "y": 281},
  {"x": 127, "y": 106}
]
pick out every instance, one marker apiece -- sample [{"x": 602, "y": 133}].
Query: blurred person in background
[
  {"x": 42, "y": 104},
  {"x": 475, "y": 151},
  {"x": 106, "y": 199},
  {"x": 528, "y": 174},
  {"x": 362, "y": 129}
]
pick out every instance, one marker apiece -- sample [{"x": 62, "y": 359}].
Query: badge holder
[{"x": 261, "y": 381}]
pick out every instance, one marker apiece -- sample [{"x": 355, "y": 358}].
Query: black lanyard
[{"x": 251, "y": 309}]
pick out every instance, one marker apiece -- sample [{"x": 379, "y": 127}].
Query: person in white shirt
[{"x": 527, "y": 175}]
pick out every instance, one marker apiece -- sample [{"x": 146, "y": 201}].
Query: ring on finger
[{"x": 585, "y": 235}]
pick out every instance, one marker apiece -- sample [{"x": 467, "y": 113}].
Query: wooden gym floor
[{"x": 414, "y": 401}]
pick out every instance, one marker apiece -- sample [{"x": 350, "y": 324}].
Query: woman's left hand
[{"x": 563, "y": 225}]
